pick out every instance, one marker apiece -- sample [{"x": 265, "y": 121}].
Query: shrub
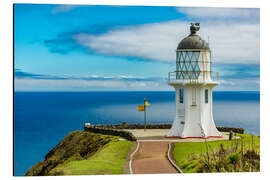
[{"x": 234, "y": 158}]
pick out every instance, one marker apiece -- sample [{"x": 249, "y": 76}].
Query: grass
[
  {"x": 109, "y": 160},
  {"x": 82, "y": 153},
  {"x": 190, "y": 154}
]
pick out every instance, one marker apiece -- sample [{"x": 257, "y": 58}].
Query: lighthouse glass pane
[
  {"x": 181, "y": 95},
  {"x": 189, "y": 57},
  {"x": 187, "y": 62}
]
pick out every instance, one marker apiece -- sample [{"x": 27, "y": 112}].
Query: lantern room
[{"x": 193, "y": 59}]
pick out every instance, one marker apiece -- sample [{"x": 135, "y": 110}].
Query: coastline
[
  {"x": 77, "y": 147},
  {"x": 38, "y": 128}
]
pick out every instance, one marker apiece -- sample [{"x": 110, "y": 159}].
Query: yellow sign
[
  {"x": 140, "y": 108},
  {"x": 147, "y": 103}
]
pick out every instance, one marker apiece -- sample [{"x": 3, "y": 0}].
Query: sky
[{"x": 128, "y": 48}]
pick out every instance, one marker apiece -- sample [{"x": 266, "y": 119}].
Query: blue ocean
[{"x": 42, "y": 119}]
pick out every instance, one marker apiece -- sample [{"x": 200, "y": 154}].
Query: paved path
[
  {"x": 151, "y": 155},
  {"x": 151, "y": 158}
]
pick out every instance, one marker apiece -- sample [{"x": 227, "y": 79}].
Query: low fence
[
  {"x": 229, "y": 129},
  {"x": 124, "y": 134},
  {"x": 117, "y": 130},
  {"x": 136, "y": 126},
  {"x": 161, "y": 126}
]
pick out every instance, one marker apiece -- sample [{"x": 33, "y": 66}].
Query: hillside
[
  {"x": 82, "y": 148},
  {"x": 238, "y": 155}
]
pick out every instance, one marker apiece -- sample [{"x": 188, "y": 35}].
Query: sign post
[
  {"x": 143, "y": 108},
  {"x": 144, "y": 114}
]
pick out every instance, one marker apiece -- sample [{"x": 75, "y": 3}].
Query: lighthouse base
[
  {"x": 193, "y": 129},
  {"x": 193, "y": 137},
  {"x": 194, "y": 117}
]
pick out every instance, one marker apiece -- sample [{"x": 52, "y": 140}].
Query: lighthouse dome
[{"x": 193, "y": 41}]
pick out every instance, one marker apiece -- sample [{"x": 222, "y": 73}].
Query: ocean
[{"x": 42, "y": 119}]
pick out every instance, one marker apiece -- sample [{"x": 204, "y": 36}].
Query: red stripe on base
[{"x": 193, "y": 137}]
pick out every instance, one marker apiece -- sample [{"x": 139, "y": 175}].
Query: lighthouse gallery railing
[{"x": 193, "y": 76}]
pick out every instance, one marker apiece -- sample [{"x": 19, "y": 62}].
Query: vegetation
[
  {"x": 238, "y": 155},
  {"x": 109, "y": 160},
  {"x": 82, "y": 152}
]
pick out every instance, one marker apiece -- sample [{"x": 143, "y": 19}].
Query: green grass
[
  {"x": 109, "y": 160},
  {"x": 184, "y": 150}
]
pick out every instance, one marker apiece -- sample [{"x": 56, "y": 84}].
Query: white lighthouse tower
[{"x": 193, "y": 82}]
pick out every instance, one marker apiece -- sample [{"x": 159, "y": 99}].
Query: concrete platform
[{"x": 159, "y": 135}]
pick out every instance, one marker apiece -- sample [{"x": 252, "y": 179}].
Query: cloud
[
  {"x": 235, "y": 77},
  {"x": 31, "y": 81},
  {"x": 239, "y": 85},
  {"x": 25, "y": 81},
  {"x": 82, "y": 84},
  {"x": 64, "y": 42},
  {"x": 221, "y": 13},
  {"x": 230, "y": 42},
  {"x": 238, "y": 71},
  {"x": 63, "y": 8},
  {"x": 234, "y": 36},
  {"x": 19, "y": 74},
  {"x": 227, "y": 82}
]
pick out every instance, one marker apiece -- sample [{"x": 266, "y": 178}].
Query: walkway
[
  {"x": 151, "y": 158},
  {"x": 151, "y": 155}
]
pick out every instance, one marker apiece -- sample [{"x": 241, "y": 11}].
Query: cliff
[{"x": 77, "y": 145}]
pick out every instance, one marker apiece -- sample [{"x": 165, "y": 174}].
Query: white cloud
[
  {"x": 63, "y": 8},
  {"x": 28, "y": 84},
  {"x": 230, "y": 42},
  {"x": 239, "y": 85},
  {"x": 116, "y": 83},
  {"x": 220, "y": 13},
  {"x": 227, "y": 82}
]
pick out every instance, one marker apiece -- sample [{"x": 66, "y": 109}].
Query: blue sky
[{"x": 94, "y": 48}]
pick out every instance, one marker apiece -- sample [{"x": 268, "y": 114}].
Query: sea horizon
[{"x": 140, "y": 91}]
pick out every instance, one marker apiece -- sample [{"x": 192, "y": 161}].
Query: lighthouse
[{"x": 193, "y": 81}]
